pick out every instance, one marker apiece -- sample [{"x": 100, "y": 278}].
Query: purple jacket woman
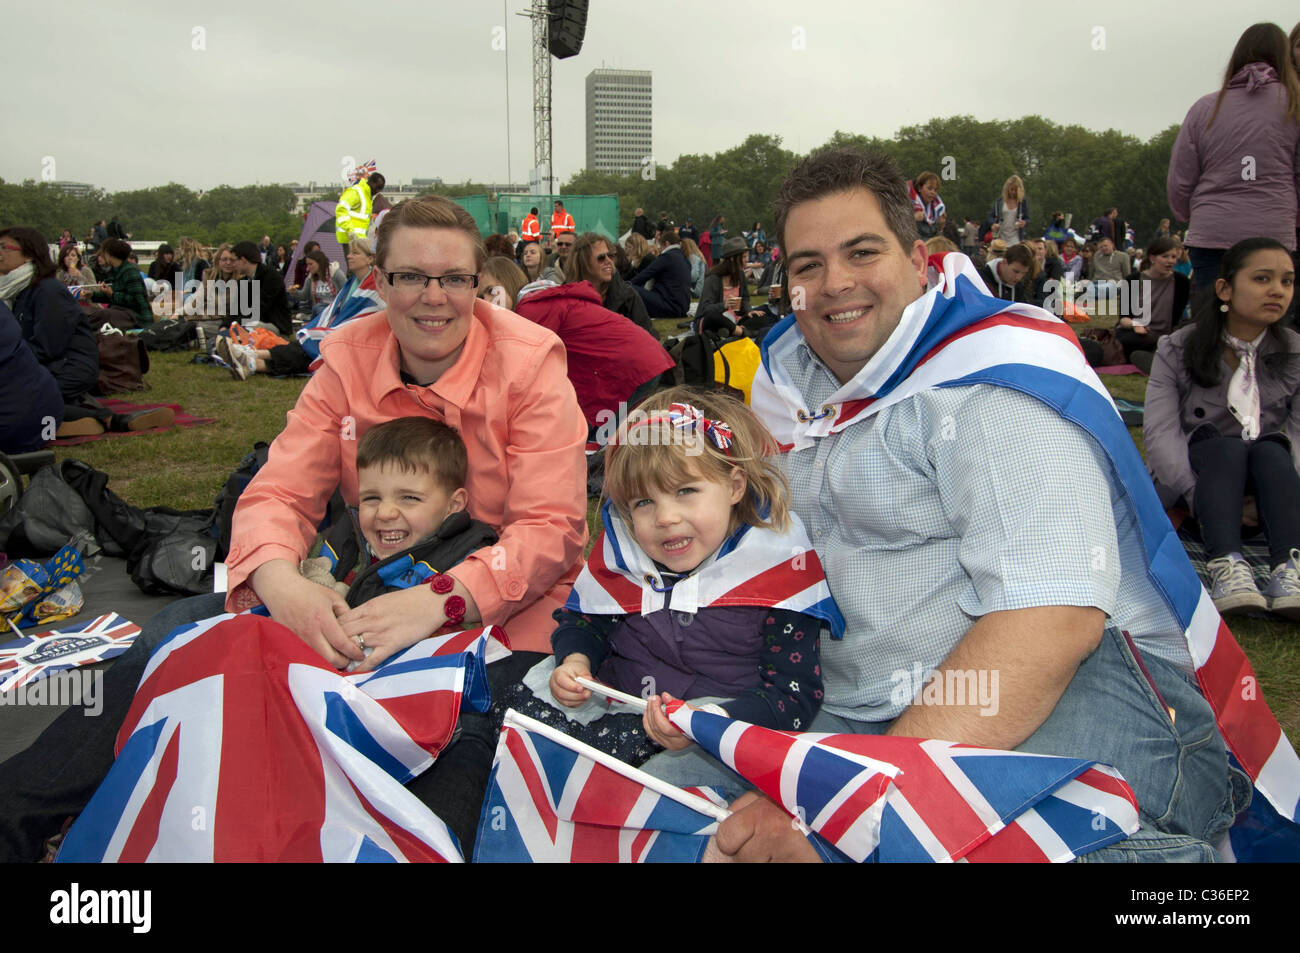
[{"x": 1237, "y": 177}]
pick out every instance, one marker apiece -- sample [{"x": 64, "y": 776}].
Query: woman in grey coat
[{"x": 1222, "y": 423}]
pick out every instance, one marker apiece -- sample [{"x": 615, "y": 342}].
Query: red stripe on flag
[
  {"x": 641, "y": 843},
  {"x": 781, "y": 581},
  {"x": 1108, "y": 784},
  {"x": 528, "y": 771},
  {"x": 1247, "y": 724},
  {"x": 1011, "y": 845},
  {"x": 606, "y": 798},
  {"x": 594, "y": 844},
  {"x": 855, "y": 805},
  {"x": 144, "y": 832},
  {"x": 759, "y": 756}
]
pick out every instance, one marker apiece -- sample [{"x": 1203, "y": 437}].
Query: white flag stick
[
  {"x": 693, "y": 801},
  {"x": 598, "y": 689}
]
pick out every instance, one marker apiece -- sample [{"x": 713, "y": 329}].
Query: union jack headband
[{"x": 686, "y": 417}]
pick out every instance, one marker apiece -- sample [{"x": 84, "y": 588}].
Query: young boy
[{"x": 411, "y": 518}]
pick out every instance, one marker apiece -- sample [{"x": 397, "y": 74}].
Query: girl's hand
[
  {"x": 563, "y": 687},
  {"x": 1249, "y": 513},
  {"x": 659, "y": 728}
]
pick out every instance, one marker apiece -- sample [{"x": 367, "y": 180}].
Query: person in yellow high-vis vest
[{"x": 352, "y": 214}]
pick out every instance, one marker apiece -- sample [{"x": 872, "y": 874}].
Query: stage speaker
[{"x": 568, "y": 24}]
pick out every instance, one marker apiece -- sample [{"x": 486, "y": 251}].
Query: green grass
[{"x": 185, "y": 467}]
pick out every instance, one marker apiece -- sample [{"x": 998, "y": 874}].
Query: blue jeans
[
  {"x": 1205, "y": 268},
  {"x": 1187, "y": 793}
]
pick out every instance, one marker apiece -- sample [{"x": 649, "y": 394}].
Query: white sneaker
[
  {"x": 1233, "y": 586},
  {"x": 1283, "y": 589},
  {"x": 235, "y": 359}
]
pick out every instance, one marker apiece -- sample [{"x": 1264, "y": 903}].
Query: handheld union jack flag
[
  {"x": 552, "y": 799},
  {"x": 907, "y": 799},
  {"x": 243, "y": 744},
  {"x": 36, "y": 656}
]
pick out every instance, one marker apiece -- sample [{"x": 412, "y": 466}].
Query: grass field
[{"x": 184, "y": 468}]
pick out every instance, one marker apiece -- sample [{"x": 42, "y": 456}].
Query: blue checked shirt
[{"x": 958, "y": 502}]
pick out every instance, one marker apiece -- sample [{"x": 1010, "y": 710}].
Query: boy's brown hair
[{"x": 417, "y": 445}]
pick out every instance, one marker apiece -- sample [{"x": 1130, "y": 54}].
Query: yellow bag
[{"x": 736, "y": 363}]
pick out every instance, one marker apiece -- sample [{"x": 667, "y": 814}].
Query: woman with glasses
[
  {"x": 436, "y": 352},
  {"x": 593, "y": 260}
]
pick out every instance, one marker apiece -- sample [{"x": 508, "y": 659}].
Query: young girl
[{"x": 703, "y": 585}]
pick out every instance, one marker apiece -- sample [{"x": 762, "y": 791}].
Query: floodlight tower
[{"x": 569, "y": 18}]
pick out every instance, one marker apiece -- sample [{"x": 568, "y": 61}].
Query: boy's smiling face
[{"x": 400, "y": 507}]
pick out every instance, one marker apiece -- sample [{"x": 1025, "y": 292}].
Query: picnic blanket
[
  {"x": 1118, "y": 369},
  {"x": 122, "y": 407}
]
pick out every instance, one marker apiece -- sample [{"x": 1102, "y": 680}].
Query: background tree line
[{"x": 1065, "y": 168}]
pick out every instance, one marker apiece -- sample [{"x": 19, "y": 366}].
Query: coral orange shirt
[{"x": 509, "y": 396}]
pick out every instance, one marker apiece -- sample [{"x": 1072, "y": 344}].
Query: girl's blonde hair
[
  {"x": 648, "y": 454},
  {"x": 938, "y": 245}
]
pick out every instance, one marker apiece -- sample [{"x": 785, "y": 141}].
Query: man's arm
[{"x": 1029, "y": 655}]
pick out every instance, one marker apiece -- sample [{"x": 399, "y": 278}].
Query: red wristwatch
[
  {"x": 442, "y": 584},
  {"x": 454, "y": 607}
]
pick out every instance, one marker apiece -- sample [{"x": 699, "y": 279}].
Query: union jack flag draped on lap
[
  {"x": 243, "y": 744},
  {"x": 957, "y": 334},
  {"x": 755, "y": 567},
  {"x": 876, "y": 797}
]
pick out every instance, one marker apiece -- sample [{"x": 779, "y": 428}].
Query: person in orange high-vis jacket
[
  {"x": 531, "y": 230},
  {"x": 561, "y": 221}
]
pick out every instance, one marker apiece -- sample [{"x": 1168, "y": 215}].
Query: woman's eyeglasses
[{"x": 414, "y": 281}]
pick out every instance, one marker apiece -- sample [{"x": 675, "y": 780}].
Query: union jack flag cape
[
  {"x": 36, "y": 656},
  {"x": 754, "y": 567},
  {"x": 875, "y": 797},
  {"x": 551, "y": 799},
  {"x": 354, "y": 300},
  {"x": 243, "y": 744},
  {"x": 957, "y": 334}
]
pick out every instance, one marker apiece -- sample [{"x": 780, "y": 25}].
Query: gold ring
[{"x": 361, "y": 641}]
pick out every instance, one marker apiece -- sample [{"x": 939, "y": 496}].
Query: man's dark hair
[
  {"x": 34, "y": 246},
  {"x": 377, "y": 182},
  {"x": 417, "y": 445},
  {"x": 117, "y": 248},
  {"x": 533, "y": 210},
  {"x": 1020, "y": 254},
  {"x": 668, "y": 235},
  {"x": 247, "y": 251},
  {"x": 559, "y": 203},
  {"x": 841, "y": 170}
]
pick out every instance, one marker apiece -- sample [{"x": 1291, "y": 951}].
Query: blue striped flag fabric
[{"x": 888, "y": 799}]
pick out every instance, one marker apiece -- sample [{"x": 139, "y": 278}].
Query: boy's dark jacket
[{"x": 456, "y": 538}]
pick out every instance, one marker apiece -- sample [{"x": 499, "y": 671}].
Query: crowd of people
[{"x": 476, "y": 371}]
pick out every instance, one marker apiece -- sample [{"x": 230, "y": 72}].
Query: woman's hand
[
  {"x": 306, "y": 608},
  {"x": 662, "y": 731},
  {"x": 1249, "y": 513},
  {"x": 396, "y": 621},
  {"x": 918, "y": 214},
  {"x": 1126, "y": 322},
  {"x": 563, "y": 687}
]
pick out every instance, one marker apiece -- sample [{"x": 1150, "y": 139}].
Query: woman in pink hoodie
[{"x": 1235, "y": 167}]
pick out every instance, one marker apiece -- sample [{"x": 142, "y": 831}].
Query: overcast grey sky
[{"x": 129, "y": 93}]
